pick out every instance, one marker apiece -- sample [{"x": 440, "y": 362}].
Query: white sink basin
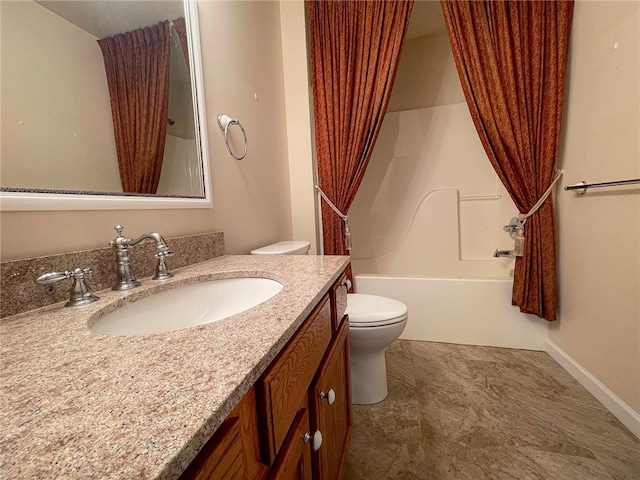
[{"x": 187, "y": 306}]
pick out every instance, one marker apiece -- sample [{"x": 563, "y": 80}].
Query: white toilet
[{"x": 374, "y": 322}]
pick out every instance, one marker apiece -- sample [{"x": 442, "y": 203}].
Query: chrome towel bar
[{"x": 583, "y": 186}]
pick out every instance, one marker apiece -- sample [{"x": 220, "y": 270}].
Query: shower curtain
[
  {"x": 511, "y": 58},
  {"x": 137, "y": 68},
  {"x": 355, "y": 49}
]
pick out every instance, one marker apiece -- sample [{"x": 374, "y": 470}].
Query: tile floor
[{"x": 467, "y": 412}]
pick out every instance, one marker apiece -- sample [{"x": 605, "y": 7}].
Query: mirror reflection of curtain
[
  {"x": 137, "y": 68},
  {"x": 180, "y": 26}
]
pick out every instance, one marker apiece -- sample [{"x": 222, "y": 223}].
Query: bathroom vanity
[
  {"x": 264, "y": 393},
  {"x": 297, "y": 414}
]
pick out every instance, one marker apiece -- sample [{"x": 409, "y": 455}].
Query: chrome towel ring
[{"x": 224, "y": 122}]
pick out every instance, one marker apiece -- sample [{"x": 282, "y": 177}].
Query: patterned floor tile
[{"x": 466, "y": 412}]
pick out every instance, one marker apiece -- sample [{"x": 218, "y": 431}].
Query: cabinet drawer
[
  {"x": 287, "y": 380},
  {"x": 339, "y": 301}
]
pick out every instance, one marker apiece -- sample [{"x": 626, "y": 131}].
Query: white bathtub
[{"x": 459, "y": 310}]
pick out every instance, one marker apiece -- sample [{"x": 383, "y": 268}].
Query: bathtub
[{"x": 474, "y": 311}]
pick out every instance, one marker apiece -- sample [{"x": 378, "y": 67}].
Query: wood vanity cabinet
[{"x": 273, "y": 432}]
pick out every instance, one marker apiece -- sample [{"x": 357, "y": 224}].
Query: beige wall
[
  {"x": 298, "y": 106},
  {"x": 242, "y": 56},
  {"x": 599, "y": 233},
  {"x": 56, "y": 114},
  {"x": 427, "y": 74}
]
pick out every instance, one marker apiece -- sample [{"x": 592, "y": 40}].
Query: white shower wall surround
[
  {"x": 428, "y": 243},
  {"x": 425, "y": 223},
  {"x": 181, "y": 173}
]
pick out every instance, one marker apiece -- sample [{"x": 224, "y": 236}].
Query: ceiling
[{"x": 104, "y": 18}]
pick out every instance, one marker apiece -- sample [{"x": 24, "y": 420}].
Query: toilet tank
[{"x": 289, "y": 247}]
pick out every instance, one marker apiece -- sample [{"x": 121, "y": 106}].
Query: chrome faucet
[
  {"x": 122, "y": 246},
  {"x": 504, "y": 253}
]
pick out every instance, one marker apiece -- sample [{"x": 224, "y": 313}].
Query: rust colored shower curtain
[
  {"x": 355, "y": 49},
  {"x": 511, "y": 57},
  {"x": 137, "y": 68}
]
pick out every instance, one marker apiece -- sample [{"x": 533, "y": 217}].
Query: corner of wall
[{"x": 298, "y": 115}]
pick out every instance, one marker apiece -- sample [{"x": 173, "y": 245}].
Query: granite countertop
[{"x": 77, "y": 404}]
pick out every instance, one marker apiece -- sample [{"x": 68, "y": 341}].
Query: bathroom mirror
[{"x": 58, "y": 149}]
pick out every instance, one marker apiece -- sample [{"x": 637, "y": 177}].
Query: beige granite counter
[{"x": 76, "y": 404}]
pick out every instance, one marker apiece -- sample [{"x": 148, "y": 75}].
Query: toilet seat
[{"x": 374, "y": 311}]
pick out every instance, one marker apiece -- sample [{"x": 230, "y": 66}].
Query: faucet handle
[
  {"x": 52, "y": 277},
  {"x": 80, "y": 292},
  {"x": 512, "y": 228},
  {"x": 120, "y": 242},
  {"x": 503, "y": 253},
  {"x": 162, "y": 272}
]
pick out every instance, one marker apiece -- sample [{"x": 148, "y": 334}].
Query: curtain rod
[{"x": 618, "y": 183}]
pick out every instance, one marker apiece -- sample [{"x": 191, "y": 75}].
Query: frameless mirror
[{"x": 58, "y": 149}]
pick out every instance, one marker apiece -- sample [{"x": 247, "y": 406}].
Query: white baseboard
[{"x": 623, "y": 412}]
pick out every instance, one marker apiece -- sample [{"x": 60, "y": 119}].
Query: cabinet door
[
  {"x": 294, "y": 460},
  {"x": 330, "y": 403},
  {"x": 233, "y": 451}
]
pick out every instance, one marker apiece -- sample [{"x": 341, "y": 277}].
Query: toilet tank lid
[{"x": 289, "y": 247}]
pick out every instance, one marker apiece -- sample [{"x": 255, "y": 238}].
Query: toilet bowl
[{"x": 374, "y": 322}]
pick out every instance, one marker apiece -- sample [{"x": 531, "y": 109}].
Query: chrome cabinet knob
[
  {"x": 330, "y": 396},
  {"x": 316, "y": 440},
  {"x": 347, "y": 284}
]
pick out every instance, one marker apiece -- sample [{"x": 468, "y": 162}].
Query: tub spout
[{"x": 503, "y": 253}]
